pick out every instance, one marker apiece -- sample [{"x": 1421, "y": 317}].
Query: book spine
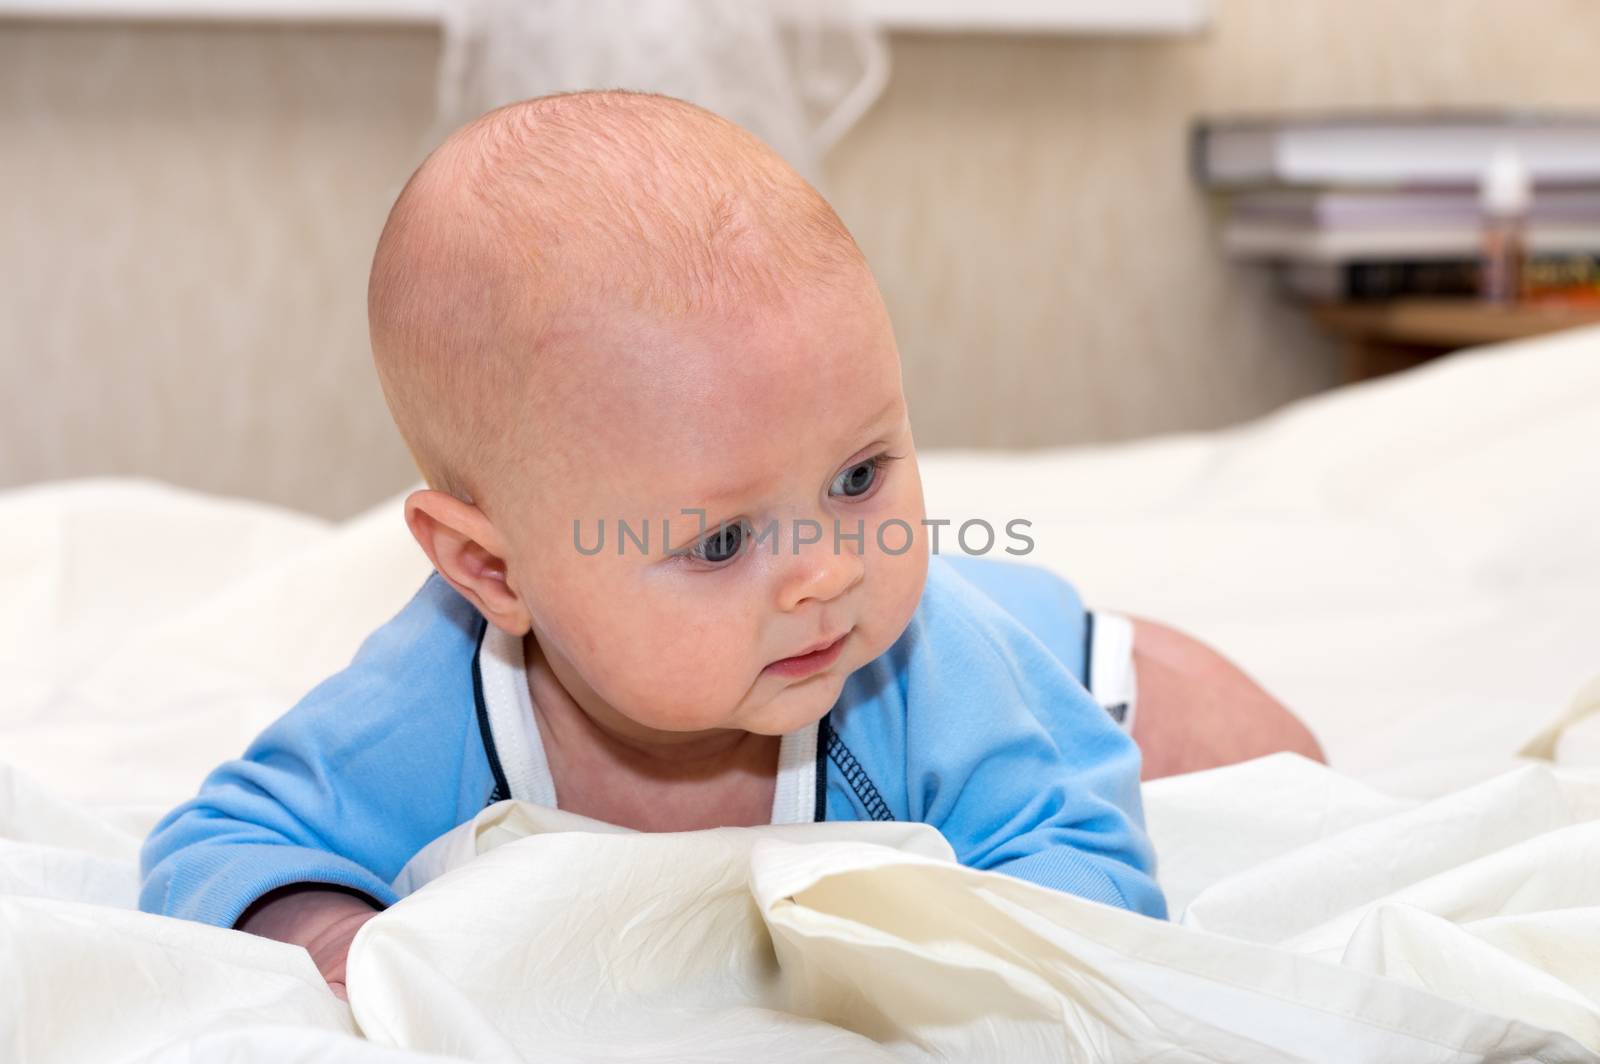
[
  {"x": 1562, "y": 277},
  {"x": 1544, "y": 277}
]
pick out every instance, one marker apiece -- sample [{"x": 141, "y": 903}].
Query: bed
[{"x": 1413, "y": 565}]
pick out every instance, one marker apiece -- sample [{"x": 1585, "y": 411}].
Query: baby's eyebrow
[{"x": 709, "y": 501}]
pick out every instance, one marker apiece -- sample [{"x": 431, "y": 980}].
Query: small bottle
[{"x": 1504, "y": 195}]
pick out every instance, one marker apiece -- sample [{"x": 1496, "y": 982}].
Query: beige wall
[{"x": 186, "y": 215}]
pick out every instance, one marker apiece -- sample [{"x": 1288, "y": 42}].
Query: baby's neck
[{"x": 725, "y": 779}]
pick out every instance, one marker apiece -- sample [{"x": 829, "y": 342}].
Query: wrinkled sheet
[
  {"x": 1321, "y": 921},
  {"x": 1409, "y": 564}
]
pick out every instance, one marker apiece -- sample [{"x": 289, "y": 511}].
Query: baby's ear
[{"x": 464, "y": 546}]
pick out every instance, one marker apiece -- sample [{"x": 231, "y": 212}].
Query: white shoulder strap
[{"x": 1112, "y": 680}]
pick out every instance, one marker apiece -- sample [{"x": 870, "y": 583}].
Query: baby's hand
[{"x": 322, "y": 922}]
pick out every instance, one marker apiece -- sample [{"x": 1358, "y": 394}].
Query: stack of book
[{"x": 1380, "y": 206}]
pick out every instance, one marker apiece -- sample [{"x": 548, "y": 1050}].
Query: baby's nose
[{"x": 819, "y": 562}]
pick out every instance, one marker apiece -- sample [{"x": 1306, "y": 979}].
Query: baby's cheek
[
  {"x": 688, "y": 667},
  {"x": 897, "y": 583}
]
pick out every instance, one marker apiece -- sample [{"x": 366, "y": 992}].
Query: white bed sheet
[
  {"x": 1411, "y": 565},
  {"x": 1322, "y": 922}
]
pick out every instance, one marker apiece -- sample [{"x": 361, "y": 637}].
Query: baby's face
[{"x": 781, "y": 425}]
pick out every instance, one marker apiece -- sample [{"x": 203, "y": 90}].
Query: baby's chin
[
  {"x": 772, "y": 705},
  {"x": 797, "y": 706}
]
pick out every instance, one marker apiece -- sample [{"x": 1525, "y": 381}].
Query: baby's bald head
[{"x": 538, "y": 220}]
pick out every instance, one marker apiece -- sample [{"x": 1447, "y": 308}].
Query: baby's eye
[
  {"x": 721, "y": 545},
  {"x": 859, "y": 478}
]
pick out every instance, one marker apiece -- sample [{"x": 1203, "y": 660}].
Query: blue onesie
[{"x": 975, "y": 721}]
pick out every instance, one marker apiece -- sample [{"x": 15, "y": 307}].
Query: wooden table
[{"x": 1385, "y": 337}]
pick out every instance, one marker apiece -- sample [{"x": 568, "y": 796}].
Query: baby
[{"x": 683, "y": 578}]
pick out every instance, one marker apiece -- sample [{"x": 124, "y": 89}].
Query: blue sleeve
[
  {"x": 374, "y": 763},
  {"x": 1013, "y": 761},
  {"x": 1047, "y": 605}
]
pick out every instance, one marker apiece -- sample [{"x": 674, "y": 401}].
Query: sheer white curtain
[{"x": 797, "y": 73}]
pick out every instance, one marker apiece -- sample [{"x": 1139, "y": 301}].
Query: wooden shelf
[
  {"x": 1385, "y": 337},
  {"x": 1450, "y": 322}
]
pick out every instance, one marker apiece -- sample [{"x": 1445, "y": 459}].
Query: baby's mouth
[{"x": 814, "y": 660}]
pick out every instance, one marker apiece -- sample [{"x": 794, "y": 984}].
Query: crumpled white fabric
[
  {"x": 88, "y": 982},
  {"x": 1320, "y": 921},
  {"x": 536, "y": 934}
]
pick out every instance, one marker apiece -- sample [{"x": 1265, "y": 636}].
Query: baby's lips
[{"x": 823, "y": 645}]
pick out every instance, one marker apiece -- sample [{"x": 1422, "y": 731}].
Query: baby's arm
[
  {"x": 322, "y": 922},
  {"x": 336, "y": 795},
  {"x": 1012, "y": 760},
  {"x": 1041, "y": 784}
]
